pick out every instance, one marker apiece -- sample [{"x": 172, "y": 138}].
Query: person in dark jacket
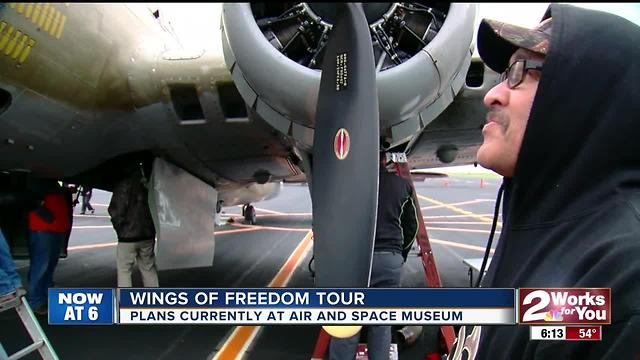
[
  {"x": 86, "y": 193},
  {"x": 396, "y": 230},
  {"x": 131, "y": 218},
  {"x": 563, "y": 130}
]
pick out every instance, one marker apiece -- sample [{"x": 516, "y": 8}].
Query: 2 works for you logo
[{"x": 564, "y": 305}]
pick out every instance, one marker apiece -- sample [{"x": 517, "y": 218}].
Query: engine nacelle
[
  {"x": 274, "y": 55},
  {"x": 251, "y": 193}
]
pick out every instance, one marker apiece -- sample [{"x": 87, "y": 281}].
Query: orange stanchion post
[{"x": 322, "y": 345}]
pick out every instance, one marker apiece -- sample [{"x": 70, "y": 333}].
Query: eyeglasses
[{"x": 515, "y": 72}]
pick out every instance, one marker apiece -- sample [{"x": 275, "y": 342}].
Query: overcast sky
[{"x": 192, "y": 21}]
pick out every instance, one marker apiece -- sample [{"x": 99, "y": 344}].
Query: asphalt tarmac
[{"x": 457, "y": 210}]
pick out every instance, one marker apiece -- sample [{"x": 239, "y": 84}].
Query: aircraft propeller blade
[{"x": 345, "y": 155}]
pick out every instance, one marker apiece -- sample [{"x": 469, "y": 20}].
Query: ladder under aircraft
[{"x": 40, "y": 341}]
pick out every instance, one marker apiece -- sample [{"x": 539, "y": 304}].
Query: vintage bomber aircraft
[{"x": 88, "y": 88}]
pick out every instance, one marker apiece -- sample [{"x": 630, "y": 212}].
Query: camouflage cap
[{"x": 497, "y": 41}]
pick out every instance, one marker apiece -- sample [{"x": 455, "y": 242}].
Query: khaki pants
[{"x": 142, "y": 253}]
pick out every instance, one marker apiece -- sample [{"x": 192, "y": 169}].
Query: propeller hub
[
  {"x": 398, "y": 30},
  {"x": 372, "y": 11}
]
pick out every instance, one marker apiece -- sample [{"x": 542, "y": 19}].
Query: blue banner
[
  {"x": 317, "y": 298},
  {"x": 81, "y": 306}
]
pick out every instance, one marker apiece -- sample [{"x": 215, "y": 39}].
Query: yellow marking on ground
[
  {"x": 29, "y": 10},
  {"x": 242, "y": 336},
  {"x": 258, "y": 227},
  {"x": 47, "y": 23},
  {"x": 44, "y": 14},
  {"x": 286, "y": 271},
  {"x": 21, "y": 7},
  {"x": 61, "y": 27},
  {"x": 56, "y": 22},
  {"x": 459, "y": 245},
  {"x": 461, "y": 230},
  {"x": 3, "y": 25},
  {"x": 26, "y": 51},
  {"x": 5, "y": 37},
  {"x": 12, "y": 43},
  {"x": 21, "y": 45},
  {"x": 458, "y": 210},
  {"x": 454, "y": 204},
  {"x": 12, "y": 5},
  {"x": 36, "y": 13}
]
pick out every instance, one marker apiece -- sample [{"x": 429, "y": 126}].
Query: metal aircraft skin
[{"x": 85, "y": 88}]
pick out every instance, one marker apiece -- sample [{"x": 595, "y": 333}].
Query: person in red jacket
[{"x": 48, "y": 229}]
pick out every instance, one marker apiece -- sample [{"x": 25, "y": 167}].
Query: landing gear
[
  {"x": 216, "y": 218},
  {"x": 249, "y": 213}
]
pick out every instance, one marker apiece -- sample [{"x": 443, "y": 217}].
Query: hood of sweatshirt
[
  {"x": 581, "y": 145},
  {"x": 571, "y": 208}
]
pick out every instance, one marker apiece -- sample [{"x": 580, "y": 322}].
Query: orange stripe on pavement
[
  {"x": 225, "y": 232},
  {"x": 242, "y": 336},
  {"x": 282, "y": 277},
  {"x": 93, "y": 246}
]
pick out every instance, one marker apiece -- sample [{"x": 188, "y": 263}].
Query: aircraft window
[
  {"x": 186, "y": 102},
  {"x": 233, "y": 107},
  {"x": 5, "y": 100}
]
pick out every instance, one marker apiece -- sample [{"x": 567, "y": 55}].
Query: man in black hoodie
[{"x": 563, "y": 129}]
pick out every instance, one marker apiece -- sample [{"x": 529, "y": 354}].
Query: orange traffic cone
[{"x": 481, "y": 183}]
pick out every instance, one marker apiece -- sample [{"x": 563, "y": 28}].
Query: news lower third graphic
[
  {"x": 264, "y": 306},
  {"x": 81, "y": 306},
  {"x": 554, "y": 313}
]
